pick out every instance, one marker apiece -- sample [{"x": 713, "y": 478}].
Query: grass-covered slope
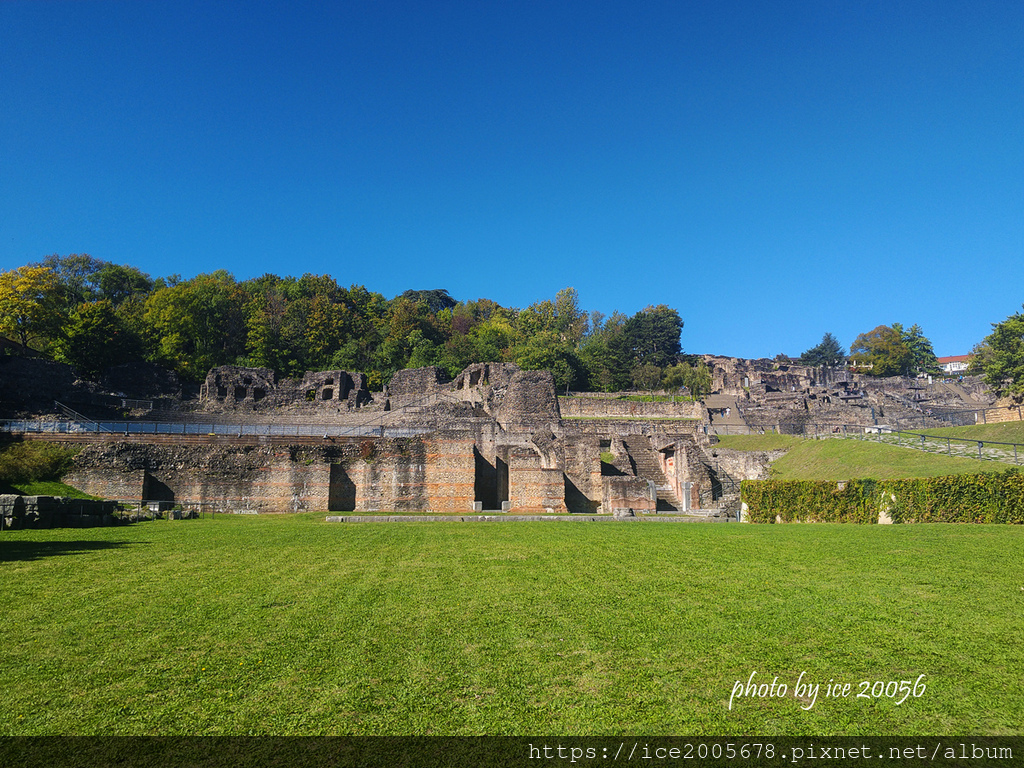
[
  {"x": 289, "y": 625},
  {"x": 848, "y": 458}
]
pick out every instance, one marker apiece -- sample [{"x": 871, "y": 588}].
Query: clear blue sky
[{"x": 772, "y": 170}]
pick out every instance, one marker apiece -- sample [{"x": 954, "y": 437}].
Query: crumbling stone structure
[
  {"x": 54, "y": 512},
  {"x": 492, "y": 439},
  {"x": 789, "y": 397},
  {"x": 236, "y": 387}
]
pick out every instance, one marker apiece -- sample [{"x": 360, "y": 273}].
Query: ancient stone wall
[
  {"x": 232, "y": 387},
  {"x": 579, "y": 406},
  {"x": 17, "y": 512},
  {"x": 609, "y": 428},
  {"x": 746, "y": 465},
  {"x": 532, "y": 488},
  {"x": 450, "y": 472},
  {"x": 480, "y": 376},
  {"x": 1004, "y": 410},
  {"x": 416, "y": 383},
  {"x": 374, "y": 474},
  {"x": 733, "y": 376},
  {"x": 528, "y": 400},
  {"x": 622, "y": 494},
  {"x": 582, "y": 467}
]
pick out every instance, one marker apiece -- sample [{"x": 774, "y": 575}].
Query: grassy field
[
  {"x": 290, "y": 625},
  {"x": 845, "y": 459}
]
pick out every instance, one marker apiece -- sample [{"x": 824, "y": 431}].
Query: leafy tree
[
  {"x": 605, "y": 354},
  {"x": 695, "y": 377},
  {"x": 882, "y": 350},
  {"x": 76, "y": 276},
  {"x": 198, "y": 324},
  {"x": 828, "y": 353},
  {"x": 646, "y": 376},
  {"x": 1000, "y": 358},
  {"x": 117, "y": 283},
  {"x": 547, "y": 351},
  {"x": 266, "y": 342},
  {"x": 894, "y": 351},
  {"x": 923, "y": 359},
  {"x": 95, "y": 338},
  {"x": 651, "y": 336},
  {"x": 435, "y": 300},
  {"x": 561, "y": 316},
  {"x": 29, "y": 303}
]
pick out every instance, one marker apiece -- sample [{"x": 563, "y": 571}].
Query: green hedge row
[
  {"x": 995, "y": 498},
  {"x": 810, "y": 501}
]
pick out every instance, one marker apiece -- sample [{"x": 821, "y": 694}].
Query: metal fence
[
  {"x": 964, "y": 447},
  {"x": 70, "y": 427}
]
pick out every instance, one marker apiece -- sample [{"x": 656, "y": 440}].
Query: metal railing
[
  {"x": 48, "y": 426},
  {"x": 374, "y": 426},
  {"x": 964, "y": 447}
]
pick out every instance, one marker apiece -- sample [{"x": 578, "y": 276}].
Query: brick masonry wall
[
  {"x": 634, "y": 493},
  {"x": 450, "y": 473},
  {"x": 532, "y": 488},
  {"x": 400, "y": 474},
  {"x": 1001, "y": 413}
]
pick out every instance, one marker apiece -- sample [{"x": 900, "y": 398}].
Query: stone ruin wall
[
  {"x": 626, "y": 496},
  {"x": 436, "y": 474},
  {"x": 497, "y": 439},
  {"x": 582, "y": 406},
  {"x": 789, "y": 397},
  {"x": 746, "y": 465},
  {"x": 232, "y": 387},
  {"x": 413, "y": 384},
  {"x": 23, "y": 512}
]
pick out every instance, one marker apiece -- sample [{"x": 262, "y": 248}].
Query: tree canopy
[
  {"x": 999, "y": 358},
  {"x": 828, "y": 352},
  {"x": 94, "y": 314},
  {"x": 894, "y": 351}
]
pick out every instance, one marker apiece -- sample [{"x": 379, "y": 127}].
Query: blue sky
[{"x": 771, "y": 170}]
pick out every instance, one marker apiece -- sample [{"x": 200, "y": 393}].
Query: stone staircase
[
  {"x": 725, "y": 489},
  {"x": 734, "y": 422},
  {"x": 645, "y": 464}
]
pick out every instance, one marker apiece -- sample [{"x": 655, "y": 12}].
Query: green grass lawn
[
  {"x": 48, "y": 488},
  {"x": 290, "y": 625},
  {"x": 849, "y": 458},
  {"x": 770, "y": 441}
]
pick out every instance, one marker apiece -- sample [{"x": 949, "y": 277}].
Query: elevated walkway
[{"x": 724, "y": 412}]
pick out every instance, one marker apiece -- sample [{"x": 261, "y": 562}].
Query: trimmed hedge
[
  {"x": 810, "y": 501},
  {"x": 995, "y": 498}
]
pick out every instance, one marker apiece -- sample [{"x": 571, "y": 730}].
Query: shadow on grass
[{"x": 12, "y": 551}]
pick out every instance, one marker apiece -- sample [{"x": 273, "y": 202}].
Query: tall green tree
[
  {"x": 923, "y": 359},
  {"x": 198, "y": 324},
  {"x": 696, "y": 377},
  {"x": 30, "y": 305},
  {"x": 117, "y": 283},
  {"x": 652, "y": 336},
  {"x": 548, "y": 351},
  {"x": 894, "y": 351},
  {"x": 96, "y": 338},
  {"x": 999, "y": 358},
  {"x": 828, "y": 353}
]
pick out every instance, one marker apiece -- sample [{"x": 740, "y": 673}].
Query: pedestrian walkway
[
  {"x": 724, "y": 412},
  {"x": 968, "y": 449}
]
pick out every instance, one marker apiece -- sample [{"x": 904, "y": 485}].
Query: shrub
[
  {"x": 990, "y": 498},
  {"x": 28, "y": 461}
]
